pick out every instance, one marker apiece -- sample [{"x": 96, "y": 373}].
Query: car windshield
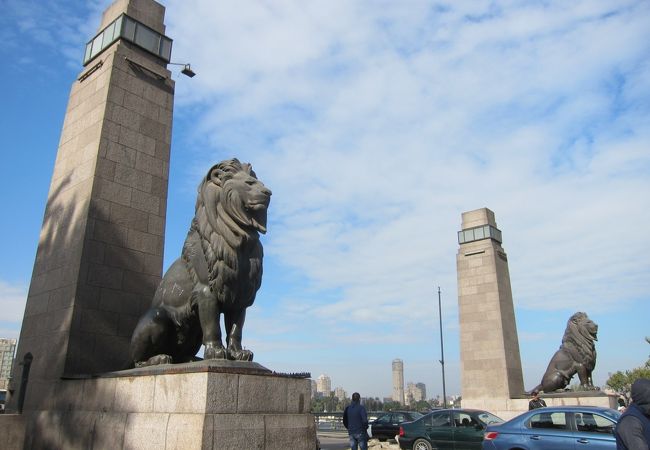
[
  {"x": 488, "y": 418},
  {"x": 416, "y": 415}
]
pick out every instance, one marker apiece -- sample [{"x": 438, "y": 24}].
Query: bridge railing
[{"x": 333, "y": 421}]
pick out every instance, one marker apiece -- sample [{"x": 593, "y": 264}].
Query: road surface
[{"x": 333, "y": 440}]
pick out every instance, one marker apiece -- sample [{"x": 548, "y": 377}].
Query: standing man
[
  {"x": 536, "y": 402},
  {"x": 633, "y": 428},
  {"x": 355, "y": 419}
]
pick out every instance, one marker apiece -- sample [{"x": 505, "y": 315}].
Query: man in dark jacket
[
  {"x": 633, "y": 428},
  {"x": 355, "y": 419},
  {"x": 536, "y": 402}
]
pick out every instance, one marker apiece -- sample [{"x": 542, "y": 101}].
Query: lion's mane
[
  {"x": 231, "y": 250},
  {"x": 576, "y": 355},
  {"x": 578, "y": 340}
]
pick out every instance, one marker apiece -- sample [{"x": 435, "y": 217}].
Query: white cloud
[{"x": 377, "y": 124}]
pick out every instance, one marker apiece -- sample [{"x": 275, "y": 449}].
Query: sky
[{"x": 377, "y": 124}]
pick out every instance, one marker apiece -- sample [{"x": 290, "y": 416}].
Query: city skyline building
[
  {"x": 415, "y": 392},
  {"x": 7, "y": 351},
  {"x": 324, "y": 384},
  {"x": 398, "y": 381},
  {"x": 423, "y": 388}
]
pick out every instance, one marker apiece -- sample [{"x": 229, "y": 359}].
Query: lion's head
[
  {"x": 580, "y": 334},
  {"x": 231, "y": 211},
  {"x": 232, "y": 191}
]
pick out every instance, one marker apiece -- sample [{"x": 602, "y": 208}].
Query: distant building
[
  {"x": 398, "y": 381},
  {"x": 340, "y": 393},
  {"x": 324, "y": 385},
  {"x": 409, "y": 400},
  {"x": 415, "y": 392},
  {"x": 423, "y": 388},
  {"x": 7, "y": 351},
  {"x": 314, "y": 389}
]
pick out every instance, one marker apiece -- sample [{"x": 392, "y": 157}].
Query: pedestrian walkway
[{"x": 338, "y": 440}]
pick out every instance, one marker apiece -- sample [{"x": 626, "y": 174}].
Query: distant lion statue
[
  {"x": 219, "y": 272},
  {"x": 577, "y": 354}
]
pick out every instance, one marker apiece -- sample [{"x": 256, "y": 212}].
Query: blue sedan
[{"x": 555, "y": 428}]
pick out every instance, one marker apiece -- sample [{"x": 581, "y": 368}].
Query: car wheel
[{"x": 422, "y": 444}]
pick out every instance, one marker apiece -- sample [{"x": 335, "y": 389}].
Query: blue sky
[{"x": 376, "y": 124}]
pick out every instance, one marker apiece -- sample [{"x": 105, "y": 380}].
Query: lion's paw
[
  {"x": 154, "y": 361},
  {"x": 240, "y": 355},
  {"x": 214, "y": 352}
]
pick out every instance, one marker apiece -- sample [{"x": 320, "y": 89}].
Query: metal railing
[{"x": 333, "y": 421}]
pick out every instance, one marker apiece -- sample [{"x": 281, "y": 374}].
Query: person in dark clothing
[
  {"x": 355, "y": 419},
  {"x": 536, "y": 402},
  {"x": 633, "y": 428}
]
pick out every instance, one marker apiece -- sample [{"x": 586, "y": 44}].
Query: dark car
[
  {"x": 387, "y": 425},
  {"x": 556, "y": 428},
  {"x": 447, "y": 429}
]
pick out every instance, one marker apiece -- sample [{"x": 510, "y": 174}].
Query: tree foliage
[
  {"x": 422, "y": 405},
  {"x": 621, "y": 382},
  {"x": 328, "y": 404},
  {"x": 331, "y": 403},
  {"x": 393, "y": 406}
]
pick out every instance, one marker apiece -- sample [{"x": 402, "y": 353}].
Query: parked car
[
  {"x": 387, "y": 425},
  {"x": 447, "y": 429},
  {"x": 561, "y": 428}
]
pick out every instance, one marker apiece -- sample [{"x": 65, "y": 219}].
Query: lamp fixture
[{"x": 187, "y": 70}]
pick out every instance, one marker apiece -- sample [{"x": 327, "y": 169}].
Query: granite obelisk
[
  {"x": 99, "y": 256},
  {"x": 491, "y": 372}
]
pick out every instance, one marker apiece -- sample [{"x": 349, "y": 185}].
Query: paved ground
[
  {"x": 338, "y": 440},
  {"x": 333, "y": 440}
]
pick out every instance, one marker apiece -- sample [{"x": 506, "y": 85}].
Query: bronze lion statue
[
  {"x": 577, "y": 354},
  {"x": 219, "y": 272}
]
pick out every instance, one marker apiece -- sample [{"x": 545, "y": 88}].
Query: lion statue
[
  {"x": 219, "y": 272},
  {"x": 577, "y": 354}
]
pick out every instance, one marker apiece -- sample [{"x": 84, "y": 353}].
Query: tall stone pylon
[
  {"x": 100, "y": 252},
  {"x": 491, "y": 372}
]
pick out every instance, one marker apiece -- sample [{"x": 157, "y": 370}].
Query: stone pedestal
[{"x": 203, "y": 405}]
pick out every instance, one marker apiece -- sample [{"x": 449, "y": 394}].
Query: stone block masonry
[
  {"x": 490, "y": 361},
  {"x": 201, "y": 405},
  {"x": 100, "y": 252}
]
